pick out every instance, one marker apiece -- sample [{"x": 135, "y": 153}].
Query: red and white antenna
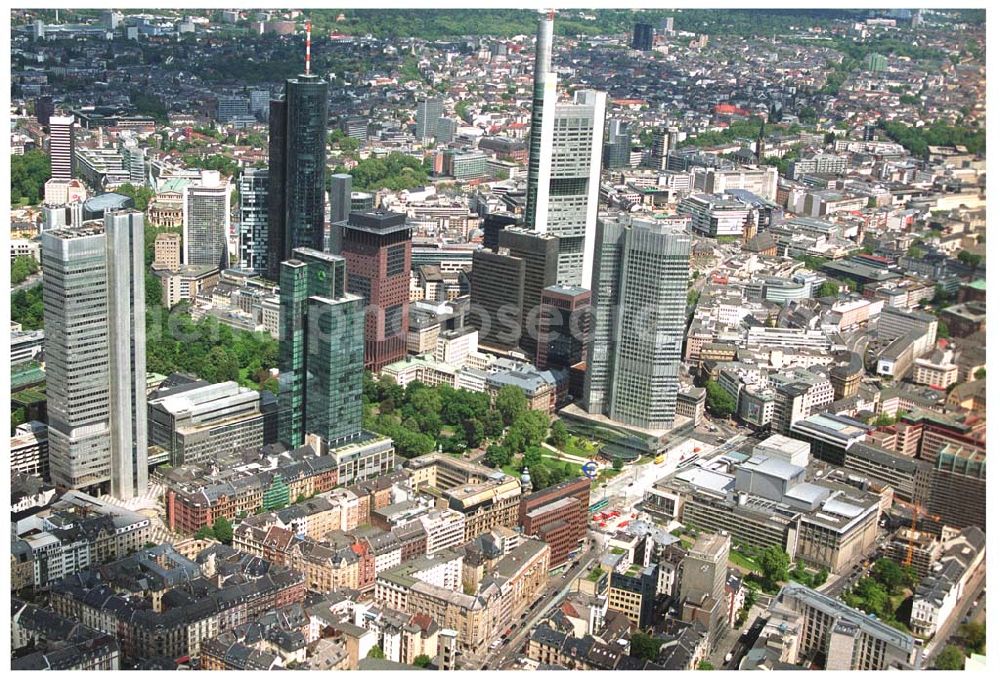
[{"x": 308, "y": 44}]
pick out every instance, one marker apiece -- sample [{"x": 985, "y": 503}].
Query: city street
[
  {"x": 558, "y": 587},
  {"x": 742, "y": 641}
]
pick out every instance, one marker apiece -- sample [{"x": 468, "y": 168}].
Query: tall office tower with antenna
[
  {"x": 564, "y": 165},
  {"x": 297, "y": 167}
]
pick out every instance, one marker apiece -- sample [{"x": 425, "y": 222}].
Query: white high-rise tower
[{"x": 564, "y": 165}]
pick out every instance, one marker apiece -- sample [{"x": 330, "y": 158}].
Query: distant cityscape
[{"x": 495, "y": 339}]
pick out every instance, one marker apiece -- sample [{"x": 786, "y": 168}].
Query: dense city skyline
[{"x": 577, "y": 339}]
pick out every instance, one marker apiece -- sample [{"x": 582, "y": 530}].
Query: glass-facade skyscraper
[
  {"x": 641, "y": 270},
  {"x": 297, "y": 165},
  {"x": 321, "y": 350},
  {"x": 429, "y": 111},
  {"x": 94, "y": 304},
  {"x": 617, "y": 145}
]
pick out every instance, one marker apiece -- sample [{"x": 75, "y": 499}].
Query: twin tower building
[{"x": 344, "y": 296}]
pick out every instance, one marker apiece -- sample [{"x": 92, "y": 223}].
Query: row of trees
[
  {"x": 216, "y": 162},
  {"x": 745, "y": 128}
]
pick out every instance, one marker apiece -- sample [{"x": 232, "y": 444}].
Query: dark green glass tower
[
  {"x": 297, "y": 163},
  {"x": 321, "y": 350}
]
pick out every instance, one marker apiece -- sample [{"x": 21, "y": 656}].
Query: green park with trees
[
  {"x": 396, "y": 171},
  {"x": 885, "y": 592},
  {"x": 421, "y": 419}
]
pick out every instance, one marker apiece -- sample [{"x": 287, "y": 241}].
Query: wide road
[{"x": 844, "y": 582}]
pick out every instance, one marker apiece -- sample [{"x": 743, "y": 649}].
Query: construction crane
[{"x": 917, "y": 512}]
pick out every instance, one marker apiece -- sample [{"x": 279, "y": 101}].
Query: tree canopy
[
  {"x": 141, "y": 196},
  {"x": 559, "y": 433},
  {"x": 208, "y": 349},
  {"x": 645, "y": 646},
  {"x": 21, "y": 268},
  {"x": 420, "y": 417},
  {"x": 26, "y": 307},
  {"x": 939, "y": 133},
  {"x": 773, "y": 562},
  {"x": 395, "y": 172},
  {"x": 950, "y": 658},
  {"x": 28, "y": 174},
  {"x": 510, "y": 403},
  {"x": 718, "y": 401}
]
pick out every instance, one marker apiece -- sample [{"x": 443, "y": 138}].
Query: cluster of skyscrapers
[
  {"x": 344, "y": 293},
  {"x": 628, "y": 278}
]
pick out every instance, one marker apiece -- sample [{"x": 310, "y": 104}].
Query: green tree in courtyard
[
  {"x": 773, "y": 562},
  {"x": 223, "y": 530},
  {"x": 645, "y": 646}
]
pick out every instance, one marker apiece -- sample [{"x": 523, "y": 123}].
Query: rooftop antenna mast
[{"x": 308, "y": 44}]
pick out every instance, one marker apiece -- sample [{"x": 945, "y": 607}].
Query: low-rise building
[
  {"x": 557, "y": 515},
  {"x": 940, "y": 591},
  {"x": 846, "y": 638},
  {"x": 199, "y": 422}
]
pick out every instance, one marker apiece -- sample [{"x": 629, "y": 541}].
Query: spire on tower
[{"x": 308, "y": 43}]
